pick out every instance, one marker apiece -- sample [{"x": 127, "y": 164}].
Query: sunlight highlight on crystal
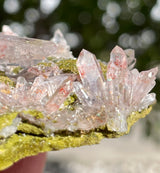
[{"x": 87, "y": 100}]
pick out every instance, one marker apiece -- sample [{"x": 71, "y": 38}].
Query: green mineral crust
[
  {"x": 28, "y": 145},
  {"x": 61, "y": 102},
  {"x": 69, "y": 102},
  {"x": 30, "y": 140},
  {"x": 7, "y": 120},
  {"x": 16, "y": 70},
  {"x": 7, "y": 81},
  {"x": 45, "y": 64},
  {"x": 34, "y": 113},
  {"x": 69, "y": 65},
  {"x": 30, "y": 129}
]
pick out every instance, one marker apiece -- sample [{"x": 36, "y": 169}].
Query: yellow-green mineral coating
[
  {"x": 30, "y": 129},
  {"x": 103, "y": 68},
  {"x": 7, "y": 81},
  {"x": 133, "y": 118},
  {"x": 69, "y": 102},
  {"x": 28, "y": 145},
  {"x": 32, "y": 145},
  {"x": 16, "y": 70},
  {"x": 34, "y": 113},
  {"x": 69, "y": 65},
  {"x": 7, "y": 119},
  {"x": 45, "y": 64},
  {"x": 2, "y": 73}
]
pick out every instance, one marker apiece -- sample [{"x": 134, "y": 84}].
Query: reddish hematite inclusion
[{"x": 99, "y": 101}]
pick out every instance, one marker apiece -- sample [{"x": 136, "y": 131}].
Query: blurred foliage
[{"x": 94, "y": 25}]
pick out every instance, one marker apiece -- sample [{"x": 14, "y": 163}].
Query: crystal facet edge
[{"x": 28, "y": 145}]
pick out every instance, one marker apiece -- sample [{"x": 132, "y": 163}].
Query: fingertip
[{"x": 32, "y": 164}]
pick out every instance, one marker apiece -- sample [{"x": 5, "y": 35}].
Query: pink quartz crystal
[
  {"x": 122, "y": 93},
  {"x": 100, "y": 102},
  {"x": 17, "y": 50}
]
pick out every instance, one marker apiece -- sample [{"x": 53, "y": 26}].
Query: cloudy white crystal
[{"x": 6, "y": 30}]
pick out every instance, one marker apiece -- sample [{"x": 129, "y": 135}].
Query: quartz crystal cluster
[
  {"x": 33, "y": 85},
  {"x": 50, "y": 100}
]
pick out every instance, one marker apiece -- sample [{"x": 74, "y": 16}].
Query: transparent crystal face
[
  {"x": 68, "y": 101},
  {"x": 26, "y": 52}
]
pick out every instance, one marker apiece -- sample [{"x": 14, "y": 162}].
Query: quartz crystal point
[
  {"x": 26, "y": 51},
  {"x": 44, "y": 95},
  {"x": 50, "y": 101},
  {"x": 126, "y": 90},
  {"x": 130, "y": 58},
  {"x": 122, "y": 93},
  {"x": 91, "y": 74},
  {"x": 6, "y": 30}
]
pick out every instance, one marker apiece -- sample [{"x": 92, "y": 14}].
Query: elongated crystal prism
[
  {"x": 27, "y": 51},
  {"x": 83, "y": 101},
  {"x": 122, "y": 93},
  {"x": 49, "y": 100},
  {"x": 90, "y": 73}
]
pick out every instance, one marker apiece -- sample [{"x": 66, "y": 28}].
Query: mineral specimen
[
  {"x": 50, "y": 100},
  {"x": 25, "y": 52}
]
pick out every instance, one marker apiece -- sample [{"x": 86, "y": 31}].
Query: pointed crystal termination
[
  {"x": 26, "y": 51},
  {"x": 144, "y": 84},
  {"x": 90, "y": 72},
  {"x": 40, "y": 99},
  {"x": 116, "y": 98},
  {"x": 57, "y": 99},
  {"x": 118, "y": 57},
  {"x": 127, "y": 90},
  {"x": 130, "y": 53},
  {"x": 6, "y": 30},
  {"x": 59, "y": 39},
  {"x": 117, "y": 63},
  {"x": 42, "y": 86}
]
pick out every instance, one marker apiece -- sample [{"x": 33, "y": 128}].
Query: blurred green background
[{"x": 96, "y": 26}]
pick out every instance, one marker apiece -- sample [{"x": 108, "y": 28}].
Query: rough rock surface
[{"x": 50, "y": 101}]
